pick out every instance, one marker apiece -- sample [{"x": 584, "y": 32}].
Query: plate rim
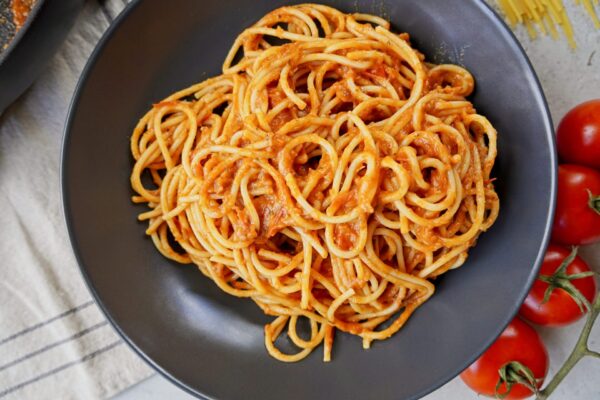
[{"x": 548, "y": 128}]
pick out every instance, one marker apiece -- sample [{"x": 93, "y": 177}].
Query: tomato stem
[
  {"x": 594, "y": 202},
  {"x": 592, "y": 353},
  {"x": 580, "y": 350},
  {"x": 512, "y": 373},
  {"x": 561, "y": 280}
]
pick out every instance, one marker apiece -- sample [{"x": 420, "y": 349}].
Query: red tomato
[
  {"x": 577, "y": 218},
  {"x": 560, "y": 309},
  {"x": 519, "y": 342},
  {"x": 578, "y": 135}
]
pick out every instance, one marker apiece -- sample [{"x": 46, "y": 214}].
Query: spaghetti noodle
[
  {"x": 329, "y": 176},
  {"x": 547, "y": 15}
]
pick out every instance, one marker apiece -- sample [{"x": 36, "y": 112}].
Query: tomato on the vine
[
  {"x": 577, "y": 218},
  {"x": 555, "y": 297},
  {"x": 512, "y": 366},
  {"x": 578, "y": 135}
]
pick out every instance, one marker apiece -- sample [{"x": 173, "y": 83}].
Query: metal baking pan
[{"x": 29, "y": 39}]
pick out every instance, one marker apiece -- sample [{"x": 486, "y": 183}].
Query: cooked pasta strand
[{"x": 330, "y": 177}]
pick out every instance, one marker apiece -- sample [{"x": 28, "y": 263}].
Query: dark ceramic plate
[{"x": 212, "y": 344}]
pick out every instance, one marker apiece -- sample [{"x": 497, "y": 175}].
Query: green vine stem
[
  {"x": 580, "y": 350},
  {"x": 594, "y": 202}
]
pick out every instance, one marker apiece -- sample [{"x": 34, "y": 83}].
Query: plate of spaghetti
[{"x": 333, "y": 200}]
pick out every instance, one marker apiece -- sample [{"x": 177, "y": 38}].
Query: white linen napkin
[{"x": 54, "y": 341}]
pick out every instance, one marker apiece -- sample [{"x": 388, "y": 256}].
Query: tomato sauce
[
  {"x": 20, "y": 10},
  {"x": 272, "y": 214}
]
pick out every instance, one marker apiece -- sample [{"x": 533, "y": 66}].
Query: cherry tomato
[
  {"x": 519, "y": 342},
  {"x": 561, "y": 308},
  {"x": 577, "y": 218},
  {"x": 578, "y": 135}
]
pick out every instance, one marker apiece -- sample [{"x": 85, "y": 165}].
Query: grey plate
[{"x": 212, "y": 344}]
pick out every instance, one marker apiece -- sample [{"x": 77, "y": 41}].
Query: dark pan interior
[
  {"x": 28, "y": 50},
  {"x": 9, "y": 32},
  {"x": 211, "y": 343},
  {"x": 7, "y": 26}
]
